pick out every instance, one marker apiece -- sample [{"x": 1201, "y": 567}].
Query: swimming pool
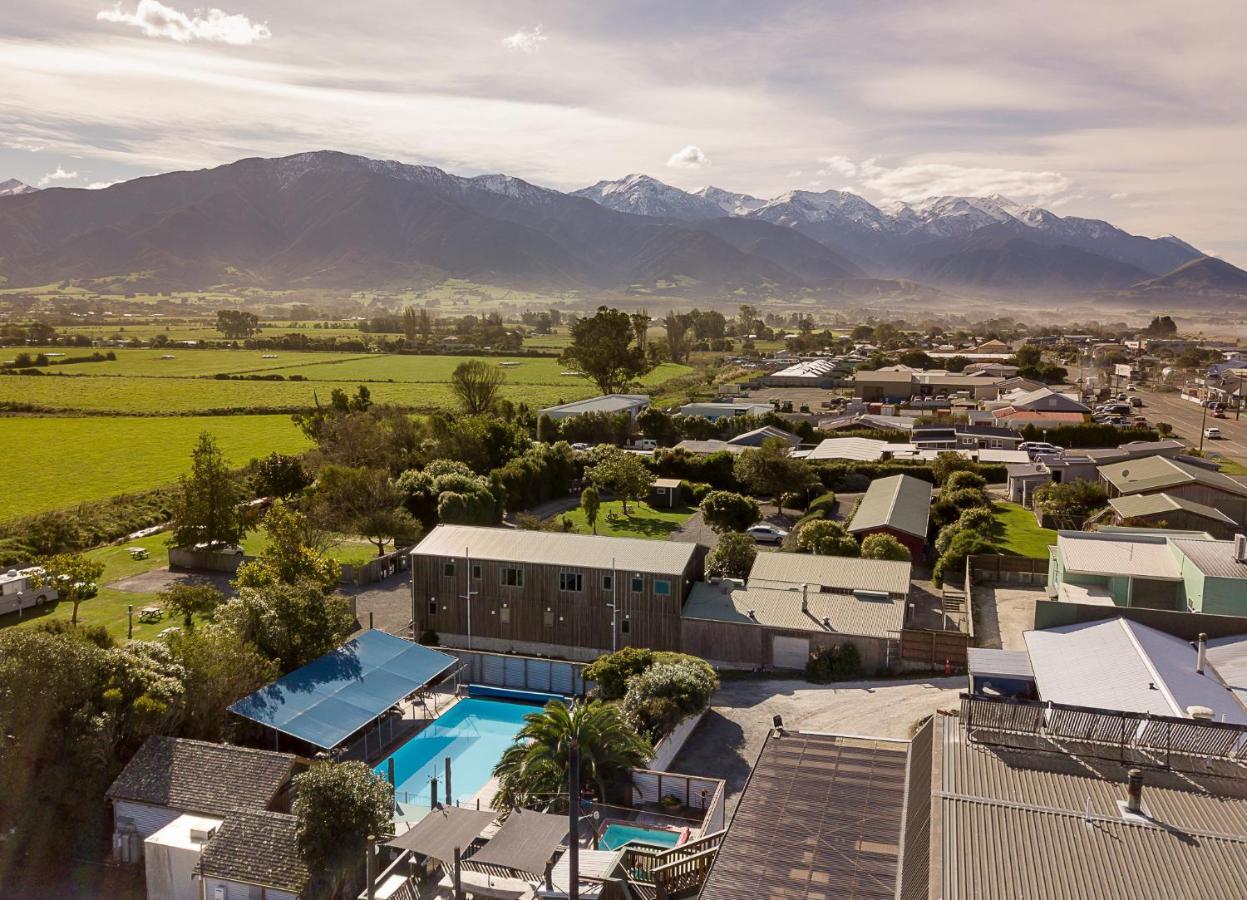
[
  {"x": 473, "y": 733},
  {"x": 616, "y": 834}
]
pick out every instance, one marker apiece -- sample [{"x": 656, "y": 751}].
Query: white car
[
  {"x": 766, "y": 534},
  {"x": 1213, "y": 433}
]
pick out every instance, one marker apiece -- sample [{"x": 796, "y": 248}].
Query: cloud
[
  {"x": 690, "y": 157},
  {"x": 155, "y": 19},
  {"x": 59, "y": 175},
  {"x": 28, "y": 146},
  {"x": 841, "y": 164},
  {"x": 919, "y": 181},
  {"x": 1120, "y": 195},
  {"x": 526, "y": 40},
  {"x": 100, "y": 185},
  {"x": 794, "y": 173}
]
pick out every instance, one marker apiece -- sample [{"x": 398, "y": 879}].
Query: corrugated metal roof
[
  {"x": 556, "y": 549},
  {"x": 984, "y": 661},
  {"x": 1153, "y": 473},
  {"x": 1098, "y": 556},
  {"x": 833, "y": 573},
  {"x": 860, "y": 449},
  {"x": 1123, "y": 665},
  {"x": 899, "y": 501},
  {"x": 845, "y": 613},
  {"x": 608, "y": 403},
  {"x": 1014, "y": 824},
  {"x": 711, "y": 446},
  {"x": 1214, "y": 558},
  {"x": 1228, "y": 656},
  {"x": 1131, "y": 505}
]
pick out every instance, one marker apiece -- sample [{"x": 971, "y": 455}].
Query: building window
[
  {"x": 448, "y": 568},
  {"x": 476, "y": 572},
  {"x": 638, "y": 584},
  {"x": 512, "y": 577},
  {"x": 570, "y": 581},
  {"x": 662, "y": 587},
  {"x": 608, "y": 582},
  {"x": 623, "y": 626},
  {"x": 505, "y": 615},
  {"x": 432, "y": 607},
  {"x": 548, "y": 618}
]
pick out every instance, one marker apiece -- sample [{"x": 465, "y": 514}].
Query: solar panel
[{"x": 332, "y": 697}]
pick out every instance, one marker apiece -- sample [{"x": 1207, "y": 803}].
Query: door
[{"x": 789, "y": 652}]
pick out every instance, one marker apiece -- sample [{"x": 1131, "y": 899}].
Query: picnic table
[{"x": 151, "y": 614}]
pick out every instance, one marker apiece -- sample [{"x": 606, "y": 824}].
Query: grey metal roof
[
  {"x": 1154, "y": 473},
  {"x": 1138, "y": 557},
  {"x": 840, "y": 574},
  {"x": 201, "y": 777},
  {"x": 1013, "y": 822},
  {"x": 1124, "y": 665},
  {"x": 756, "y": 437},
  {"x": 607, "y": 403},
  {"x": 257, "y": 848},
  {"x": 1228, "y": 656},
  {"x": 556, "y": 549},
  {"x": 844, "y": 613},
  {"x": 901, "y": 502},
  {"x": 1214, "y": 558},
  {"x": 442, "y": 830},
  {"x": 1129, "y": 506},
  {"x": 711, "y": 446},
  {"x": 526, "y": 842},
  {"x": 1011, "y": 663}
]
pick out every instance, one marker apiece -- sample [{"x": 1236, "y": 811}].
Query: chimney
[
  {"x": 1134, "y": 791},
  {"x": 1201, "y": 653},
  {"x": 805, "y": 598},
  {"x": 1240, "y": 548}
]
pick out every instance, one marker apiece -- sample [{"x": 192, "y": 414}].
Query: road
[{"x": 1185, "y": 417}]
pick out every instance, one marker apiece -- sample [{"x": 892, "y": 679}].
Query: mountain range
[{"x": 335, "y": 220}]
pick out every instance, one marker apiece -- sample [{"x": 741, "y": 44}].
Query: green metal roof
[
  {"x": 1134, "y": 505},
  {"x": 900, "y": 502},
  {"x": 1154, "y": 473}
]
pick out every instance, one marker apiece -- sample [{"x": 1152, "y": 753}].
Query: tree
[
  {"x": 732, "y": 556},
  {"x": 824, "y": 537},
  {"x": 363, "y": 501},
  {"x": 770, "y": 472},
  {"x": 1028, "y": 356},
  {"x": 623, "y": 474},
  {"x": 590, "y": 503},
  {"x": 236, "y": 324},
  {"x": 677, "y": 326},
  {"x": 640, "y": 328},
  {"x": 534, "y": 770},
  {"x": 291, "y": 623},
  {"x": 411, "y": 323},
  {"x": 339, "y": 805},
  {"x": 727, "y": 511},
  {"x": 1161, "y": 326},
  {"x": 602, "y": 346},
  {"x": 74, "y": 576},
  {"x": 208, "y": 507},
  {"x": 220, "y": 668},
  {"x": 279, "y": 475},
  {"x": 293, "y": 553},
  {"x": 612, "y": 672},
  {"x": 947, "y": 462},
  {"x": 190, "y": 600},
  {"x": 666, "y": 693},
  {"x": 476, "y": 384},
  {"x": 884, "y": 546},
  {"x": 963, "y": 478}
]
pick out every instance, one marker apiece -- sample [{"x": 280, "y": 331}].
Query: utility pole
[
  {"x": 573, "y": 821},
  {"x": 467, "y": 577},
  {"x": 1203, "y": 419}
]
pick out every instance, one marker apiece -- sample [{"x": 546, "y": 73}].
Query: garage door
[{"x": 789, "y": 652}]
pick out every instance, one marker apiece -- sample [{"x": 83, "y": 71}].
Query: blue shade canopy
[{"x": 332, "y": 697}]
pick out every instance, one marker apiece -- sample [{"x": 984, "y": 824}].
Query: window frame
[
  {"x": 666, "y": 587},
  {"x": 448, "y": 568},
  {"x": 637, "y": 579},
  {"x": 608, "y": 582},
  {"x": 505, "y": 571},
  {"x": 576, "y": 578}
]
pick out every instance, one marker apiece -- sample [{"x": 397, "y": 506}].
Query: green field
[
  {"x": 1019, "y": 534},
  {"x": 642, "y": 520},
  {"x": 187, "y": 362},
  {"x": 48, "y": 463}
]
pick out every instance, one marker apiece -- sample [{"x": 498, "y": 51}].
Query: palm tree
[{"x": 533, "y": 770}]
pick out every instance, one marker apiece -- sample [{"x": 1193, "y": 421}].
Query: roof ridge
[{"x": 1127, "y": 625}]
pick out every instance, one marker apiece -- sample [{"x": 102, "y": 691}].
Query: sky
[{"x": 1133, "y": 111}]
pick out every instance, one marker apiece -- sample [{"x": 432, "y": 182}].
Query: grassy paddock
[
  {"x": 1019, "y": 534},
  {"x": 47, "y": 463},
  {"x": 641, "y": 521}
]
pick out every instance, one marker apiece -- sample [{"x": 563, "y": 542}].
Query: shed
[
  {"x": 1167, "y": 511},
  {"x": 664, "y": 492},
  {"x": 900, "y": 506},
  {"x": 1001, "y": 673}
]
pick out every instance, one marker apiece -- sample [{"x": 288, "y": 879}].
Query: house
[
  {"x": 609, "y": 404},
  {"x": 793, "y": 604},
  {"x": 867, "y": 421},
  {"x": 536, "y": 592},
  {"x": 253, "y": 854},
  {"x": 1044, "y": 400},
  {"x": 1179, "y": 479},
  {"x": 664, "y": 493},
  {"x": 900, "y": 506},
  {"x": 759, "y": 436},
  {"x": 860, "y": 449},
  {"x": 890, "y": 384},
  {"x": 1179, "y": 571},
  {"x": 992, "y": 369},
  {"x": 170, "y": 777},
  {"x": 704, "y": 448},
  {"x": 716, "y": 411},
  {"x": 987, "y": 437},
  {"x": 1166, "y": 511},
  {"x": 993, "y": 345}
]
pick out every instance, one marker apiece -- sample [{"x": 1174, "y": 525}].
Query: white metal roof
[
  {"x": 825, "y": 613},
  {"x": 861, "y": 449},
  {"x": 832, "y": 573},
  {"x": 1120, "y": 664},
  {"x": 1102, "y": 556},
  {"x": 608, "y": 403},
  {"x": 1214, "y": 558},
  {"x": 555, "y": 548}
]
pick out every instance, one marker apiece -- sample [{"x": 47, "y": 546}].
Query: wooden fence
[
  {"x": 697, "y": 795},
  {"x": 992, "y": 568},
  {"x": 934, "y": 649}
]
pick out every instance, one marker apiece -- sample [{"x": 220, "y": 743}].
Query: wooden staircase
[{"x": 672, "y": 873}]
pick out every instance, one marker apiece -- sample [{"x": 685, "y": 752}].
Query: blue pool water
[
  {"x": 473, "y": 733},
  {"x": 616, "y": 835}
]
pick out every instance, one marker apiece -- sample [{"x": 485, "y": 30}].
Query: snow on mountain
[
  {"x": 952, "y": 216},
  {"x": 805, "y": 208},
  {"x": 645, "y": 196},
  {"x": 730, "y": 202},
  {"x": 13, "y": 187}
]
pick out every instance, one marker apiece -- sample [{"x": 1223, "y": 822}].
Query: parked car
[
  {"x": 1218, "y": 413},
  {"x": 1212, "y": 433},
  {"x": 1132, "y": 387},
  {"x": 1136, "y": 402},
  {"x": 764, "y": 533},
  {"x": 1121, "y": 396}
]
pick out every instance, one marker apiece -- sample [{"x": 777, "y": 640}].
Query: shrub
[
  {"x": 963, "y": 479},
  {"x": 943, "y": 512},
  {"x": 951, "y": 563},
  {"x": 794, "y": 500},
  {"x": 978, "y": 518},
  {"x": 725, "y": 511},
  {"x": 825, "y": 538},
  {"x": 839, "y": 662},
  {"x": 430, "y": 638},
  {"x": 948, "y": 462},
  {"x": 733, "y": 556},
  {"x": 884, "y": 546},
  {"x": 695, "y": 491},
  {"x": 823, "y": 503},
  {"x": 1071, "y": 497},
  {"x": 612, "y": 672},
  {"x": 668, "y": 692},
  {"x": 968, "y": 498}
]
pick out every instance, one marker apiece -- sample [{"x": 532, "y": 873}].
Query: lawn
[
  {"x": 1230, "y": 466},
  {"x": 47, "y": 463},
  {"x": 1018, "y": 533},
  {"x": 346, "y": 549},
  {"x": 642, "y": 520},
  {"x": 189, "y": 363}
]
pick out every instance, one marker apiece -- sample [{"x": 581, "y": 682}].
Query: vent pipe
[
  {"x": 1202, "y": 713},
  {"x": 1201, "y": 653},
  {"x": 805, "y": 598},
  {"x": 1134, "y": 791},
  {"x": 1240, "y": 548}
]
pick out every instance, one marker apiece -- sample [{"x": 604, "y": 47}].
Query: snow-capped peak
[
  {"x": 13, "y": 187},
  {"x": 730, "y": 202},
  {"x": 805, "y": 207},
  {"x": 646, "y": 196}
]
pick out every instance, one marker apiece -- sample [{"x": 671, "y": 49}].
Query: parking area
[
  {"x": 1187, "y": 418},
  {"x": 729, "y": 738}
]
